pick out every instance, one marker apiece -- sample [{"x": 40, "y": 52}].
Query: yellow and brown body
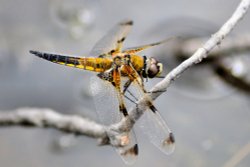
[
  {"x": 86, "y": 63},
  {"x": 95, "y": 64},
  {"x": 112, "y": 63}
]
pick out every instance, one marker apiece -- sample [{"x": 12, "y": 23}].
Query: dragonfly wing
[
  {"x": 105, "y": 99},
  {"x": 112, "y": 40},
  {"x": 129, "y": 152},
  {"x": 137, "y": 49},
  {"x": 152, "y": 124},
  {"x": 107, "y": 108},
  {"x": 156, "y": 129}
]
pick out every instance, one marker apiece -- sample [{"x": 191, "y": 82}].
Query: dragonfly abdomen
[{"x": 86, "y": 63}]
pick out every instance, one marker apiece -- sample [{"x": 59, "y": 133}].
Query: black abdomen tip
[
  {"x": 39, "y": 54},
  {"x": 32, "y": 52}
]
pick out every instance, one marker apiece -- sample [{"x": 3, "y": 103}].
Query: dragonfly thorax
[{"x": 117, "y": 61}]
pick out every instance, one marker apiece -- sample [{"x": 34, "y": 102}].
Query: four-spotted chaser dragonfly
[{"x": 121, "y": 73}]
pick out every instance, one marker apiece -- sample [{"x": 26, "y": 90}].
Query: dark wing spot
[
  {"x": 131, "y": 151},
  {"x": 121, "y": 40},
  {"x": 157, "y": 43},
  {"x": 170, "y": 140},
  {"x": 171, "y": 137},
  {"x": 130, "y": 22},
  {"x": 136, "y": 149}
]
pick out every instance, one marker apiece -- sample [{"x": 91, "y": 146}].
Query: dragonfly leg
[
  {"x": 135, "y": 77},
  {"x": 130, "y": 99},
  {"x": 116, "y": 81},
  {"x": 126, "y": 85},
  {"x": 158, "y": 91},
  {"x": 114, "y": 77}
]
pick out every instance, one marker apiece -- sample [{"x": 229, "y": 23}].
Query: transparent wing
[
  {"x": 112, "y": 40},
  {"x": 157, "y": 131},
  {"x": 143, "y": 47},
  {"x": 107, "y": 108},
  {"x": 153, "y": 125},
  {"x": 105, "y": 100},
  {"x": 128, "y": 152}
]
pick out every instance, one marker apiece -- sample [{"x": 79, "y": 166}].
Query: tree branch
[
  {"x": 47, "y": 118},
  {"x": 233, "y": 44},
  {"x": 238, "y": 156},
  {"x": 203, "y": 52}
]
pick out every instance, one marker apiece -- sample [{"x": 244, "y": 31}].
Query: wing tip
[
  {"x": 128, "y": 22},
  {"x": 170, "y": 139},
  {"x": 136, "y": 149},
  {"x": 168, "y": 145},
  {"x": 132, "y": 151}
]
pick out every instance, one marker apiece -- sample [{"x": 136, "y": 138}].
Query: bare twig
[
  {"x": 233, "y": 44},
  {"x": 238, "y": 156},
  {"x": 76, "y": 124},
  {"x": 47, "y": 118}
]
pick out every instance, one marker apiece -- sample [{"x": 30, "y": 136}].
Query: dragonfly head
[{"x": 153, "y": 68}]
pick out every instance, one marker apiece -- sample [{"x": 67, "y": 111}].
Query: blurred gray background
[{"x": 210, "y": 119}]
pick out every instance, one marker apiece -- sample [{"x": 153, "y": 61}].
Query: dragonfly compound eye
[
  {"x": 153, "y": 71},
  {"x": 154, "y": 68}
]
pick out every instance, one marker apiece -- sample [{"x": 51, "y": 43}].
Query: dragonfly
[{"x": 121, "y": 73}]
